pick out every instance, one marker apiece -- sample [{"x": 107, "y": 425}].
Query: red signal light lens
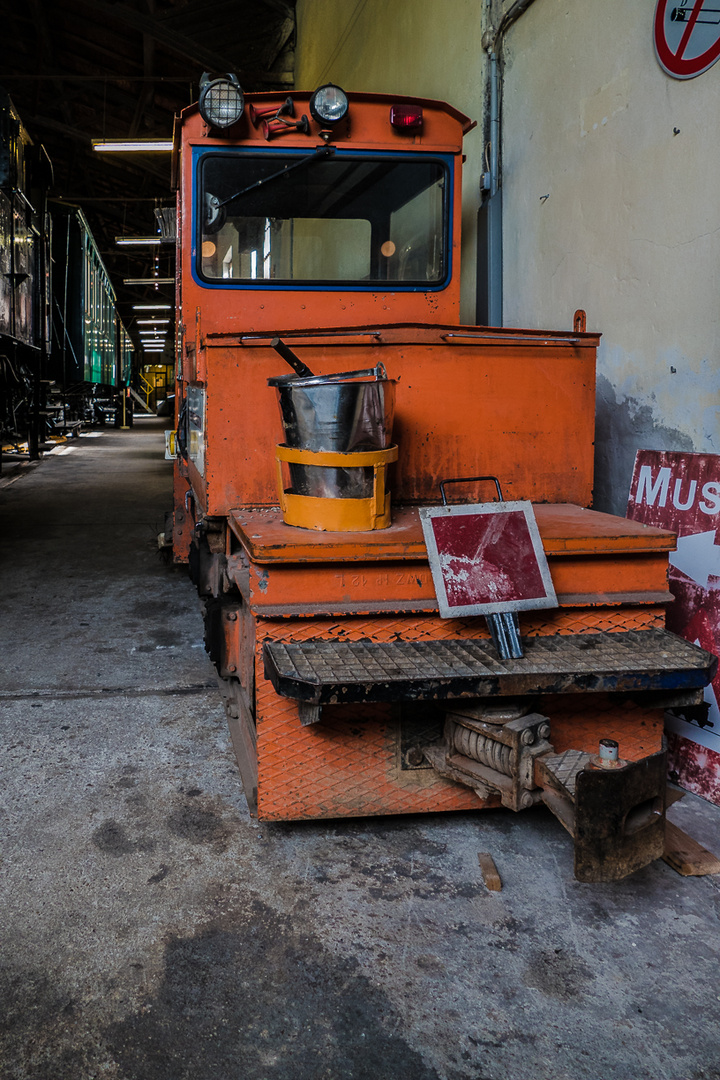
[{"x": 406, "y": 117}]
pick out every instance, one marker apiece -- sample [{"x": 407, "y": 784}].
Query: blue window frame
[{"x": 323, "y": 219}]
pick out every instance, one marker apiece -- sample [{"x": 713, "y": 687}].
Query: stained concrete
[{"x": 153, "y": 931}]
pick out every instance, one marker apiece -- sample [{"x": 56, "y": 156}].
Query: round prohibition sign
[{"x": 687, "y": 36}]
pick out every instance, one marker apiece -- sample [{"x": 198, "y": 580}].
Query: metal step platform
[{"x": 321, "y": 671}]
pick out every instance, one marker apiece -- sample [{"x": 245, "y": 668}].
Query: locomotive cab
[{"x": 346, "y": 692}]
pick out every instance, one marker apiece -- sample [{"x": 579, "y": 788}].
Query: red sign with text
[{"x": 681, "y": 492}]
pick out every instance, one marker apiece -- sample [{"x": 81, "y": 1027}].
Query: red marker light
[{"x": 406, "y": 117}]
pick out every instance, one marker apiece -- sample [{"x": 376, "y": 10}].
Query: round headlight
[
  {"x": 329, "y": 104},
  {"x": 221, "y": 101}
]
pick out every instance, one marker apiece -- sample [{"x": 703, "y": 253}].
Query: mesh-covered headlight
[
  {"x": 221, "y": 101},
  {"x": 328, "y": 105}
]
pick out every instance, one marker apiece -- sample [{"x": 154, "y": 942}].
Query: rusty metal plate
[
  {"x": 619, "y": 819},
  {"x": 332, "y": 672}
]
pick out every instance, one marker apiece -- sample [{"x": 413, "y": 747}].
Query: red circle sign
[{"x": 687, "y": 36}]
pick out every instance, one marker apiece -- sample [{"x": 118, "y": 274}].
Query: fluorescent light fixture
[
  {"x": 152, "y": 307},
  {"x": 131, "y": 146},
  {"x": 149, "y": 281},
  {"x": 137, "y": 241},
  {"x": 152, "y": 322}
]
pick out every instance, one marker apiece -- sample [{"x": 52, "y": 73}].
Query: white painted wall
[
  {"x": 629, "y": 159},
  {"x": 630, "y": 228}
]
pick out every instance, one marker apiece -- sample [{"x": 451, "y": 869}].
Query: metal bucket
[{"x": 348, "y": 412}]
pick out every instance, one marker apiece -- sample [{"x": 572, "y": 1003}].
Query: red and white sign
[
  {"x": 486, "y": 558},
  {"x": 681, "y": 492},
  {"x": 687, "y": 36}
]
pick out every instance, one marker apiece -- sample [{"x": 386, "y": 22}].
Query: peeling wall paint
[{"x": 622, "y": 425}]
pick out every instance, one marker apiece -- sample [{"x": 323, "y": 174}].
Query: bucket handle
[{"x": 378, "y": 372}]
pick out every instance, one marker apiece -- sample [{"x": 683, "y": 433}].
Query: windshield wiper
[{"x": 322, "y": 153}]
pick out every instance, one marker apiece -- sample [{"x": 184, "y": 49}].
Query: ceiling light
[
  {"x": 152, "y": 322},
  {"x": 125, "y": 146},
  {"x": 152, "y": 307},
  {"x": 125, "y": 241}
]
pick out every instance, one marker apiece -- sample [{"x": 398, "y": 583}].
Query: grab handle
[{"x": 469, "y": 480}]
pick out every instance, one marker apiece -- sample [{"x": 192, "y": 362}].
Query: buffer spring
[{"x": 472, "y": 744}]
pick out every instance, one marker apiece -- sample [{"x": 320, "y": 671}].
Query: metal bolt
[
  {"x": 528, "y": 737},
  {"x": 544, "y": 731},
  {"x": 608, "y": 750},
  {"x": 526, "y": 800},
  {"x": 231, "y": 616},
  {"x": 231, "y": 667}
]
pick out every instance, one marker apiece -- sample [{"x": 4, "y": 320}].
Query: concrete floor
[{"x": 153, "y": 931}]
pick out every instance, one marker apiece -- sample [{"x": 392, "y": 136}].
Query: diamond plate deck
[
  {"x": 332, "y": 672},
  {"x": 565, "y": 768}
]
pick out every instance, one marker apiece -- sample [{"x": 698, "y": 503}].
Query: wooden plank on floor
[
  {"x": 489, "y": 872},
  {"x": 686, "y": 855}
]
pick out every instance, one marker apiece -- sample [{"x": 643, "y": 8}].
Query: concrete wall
[
  {"x": 609, "y": 189},
  {"x": 421, "y": 48},
  {"x": 628, "y": 158}
]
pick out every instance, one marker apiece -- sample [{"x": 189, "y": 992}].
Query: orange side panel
[
  {"x": 409, "y": 585},
  {"x": 525, "y": 414},
  {"x": 183, "y": 520},
  {"x": 637, "y": 729}
]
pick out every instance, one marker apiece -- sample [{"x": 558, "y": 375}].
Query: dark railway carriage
[
  {"x": 25, "y": 176},
  {"x": 91, "y": 356},
  {"x": 64, "y": 353}
]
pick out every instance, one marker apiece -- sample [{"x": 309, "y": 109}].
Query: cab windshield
[{"x": 323, "y": 218}]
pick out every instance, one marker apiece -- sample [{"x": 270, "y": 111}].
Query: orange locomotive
[{"x": 325, "y": 228}]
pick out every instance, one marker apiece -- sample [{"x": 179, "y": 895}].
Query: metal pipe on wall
[{"x": 489, "y": 298}]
